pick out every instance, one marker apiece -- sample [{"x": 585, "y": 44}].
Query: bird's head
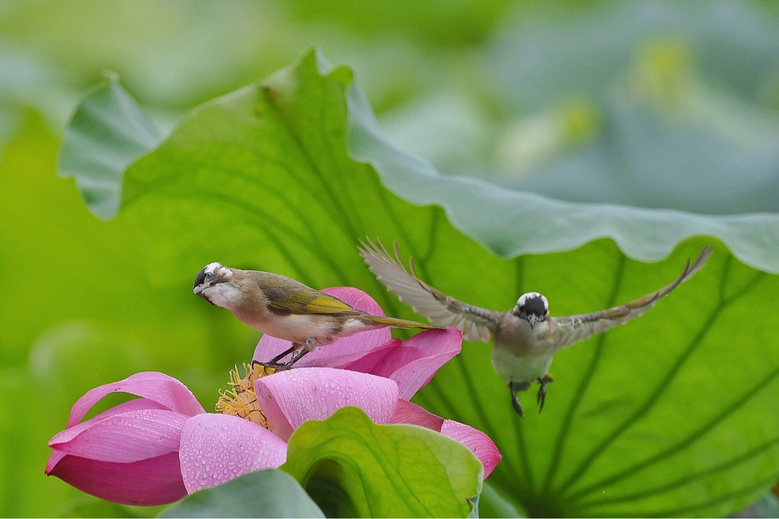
[
  {"x": 532, "y": 307},
  {"x": 214, "y": 283}
]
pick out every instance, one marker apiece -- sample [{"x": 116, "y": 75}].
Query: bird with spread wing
[{"x": 525, "y": 337}]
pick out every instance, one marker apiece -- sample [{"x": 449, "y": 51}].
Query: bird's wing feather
[
  {"x": 475, "y": 323},
  {"x": 305, "y": 300},
  {"x": 575, "y": 328}
]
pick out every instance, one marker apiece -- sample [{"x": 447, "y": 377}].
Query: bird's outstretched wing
[
  {"x": 475, "y": 323},
  {"x": 575, "y": 328}
]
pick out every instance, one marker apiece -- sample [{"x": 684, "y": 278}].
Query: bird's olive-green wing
[
  {"x": 575, "y": 328},
  {"x": 475, "y": 323},
  {"x": 297, "y": 298}
]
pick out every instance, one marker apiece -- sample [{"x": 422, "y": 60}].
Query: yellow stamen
[{"x": 240, "y": 400}]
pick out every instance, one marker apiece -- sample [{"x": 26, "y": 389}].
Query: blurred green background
[{"x": 645, "y": 104}]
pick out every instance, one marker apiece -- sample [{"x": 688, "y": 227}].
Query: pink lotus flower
[{"x": 163, "y": 445}]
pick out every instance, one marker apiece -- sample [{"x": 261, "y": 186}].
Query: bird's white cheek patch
[{"x": 223, "y": 295}]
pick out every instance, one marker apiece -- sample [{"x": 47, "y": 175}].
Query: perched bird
[
  {"x": 287, "y": 309},
  {"x": 525, "y": 337}
]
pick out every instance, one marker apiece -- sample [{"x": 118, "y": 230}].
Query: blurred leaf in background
[
  {"x": 88, "y": 302},
  {"x": 651, "y": 104}
]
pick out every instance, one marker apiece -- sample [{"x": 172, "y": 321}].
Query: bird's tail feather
[{"x": 399, "y": 323}]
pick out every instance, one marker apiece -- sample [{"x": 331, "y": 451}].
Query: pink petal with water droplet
[
  {"x": 289, "y": 398},
  {"x": 130, "y": 406},
  {"x": 154, "y": 481},
  {"x": 414, "y": 363},
  {"x": 216, "y": 448},
  {"x": 71, "y": 432},
  {"x": 366, "y": 362},
  {"x": 157, "y": 387},
  {"x": 123, "y": 438}
]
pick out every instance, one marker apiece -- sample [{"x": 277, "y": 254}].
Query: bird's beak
[
  {"x": 200, "y": 290},
  {"x": 532, "y": 320}
]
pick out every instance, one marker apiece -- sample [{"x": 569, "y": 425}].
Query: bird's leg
[
  {"x": 514, "y": 387},
  {"x": 297, "y": 351},
  {"x": 274, "y": 362},
  {"x": 309, "y": 344},
  {"x": 542, "y": 391},
  {"x": 295, "y": 357}
]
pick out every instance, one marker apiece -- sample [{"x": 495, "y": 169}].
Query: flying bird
[
  {"x": 287, "y": 309},
  {"x": 525, "y": 337}
]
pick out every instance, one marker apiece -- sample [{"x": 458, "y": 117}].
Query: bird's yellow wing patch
[
  {"x": 305, "y": 302},
  {"x": 325, "y": 304}
]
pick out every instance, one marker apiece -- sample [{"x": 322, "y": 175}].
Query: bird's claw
[
  {"x": 517, "y": 405},
  {"x": 541, "y": 397},
  {"x": 514, "y": 387}
]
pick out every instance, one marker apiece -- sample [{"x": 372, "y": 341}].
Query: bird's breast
[
  {"x": 525, "y": 368},
  {"x": 323, "y": 329},
  {"x": 516, "y": 336},
  {"x": 299, "y": 327},
  {"x": 521, "y": 353}
]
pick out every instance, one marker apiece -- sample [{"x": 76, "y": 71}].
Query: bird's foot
[
  {"x": 514, "y": 387},
  {"x": 541, "y": 397},
  {"x": 517, "y": 405},
  {"x": 275, "y": 363}
]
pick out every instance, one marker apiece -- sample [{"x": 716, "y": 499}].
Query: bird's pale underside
[{"x": 525, "y": 337}]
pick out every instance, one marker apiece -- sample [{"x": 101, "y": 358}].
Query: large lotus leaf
[{"x": 673, "y": 414}]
